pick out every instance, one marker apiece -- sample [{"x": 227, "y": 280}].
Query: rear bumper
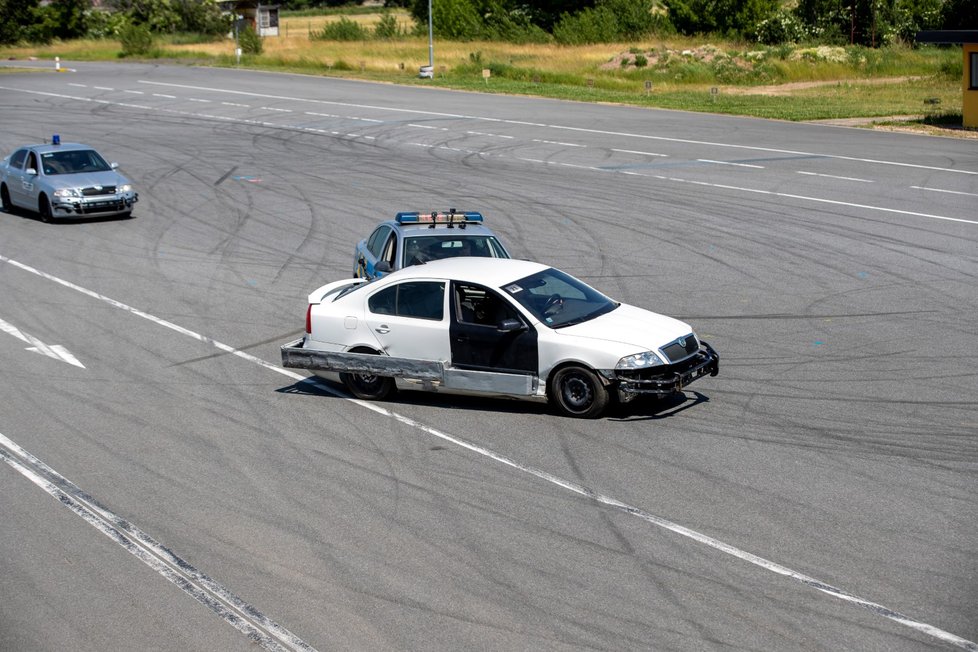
[{"x": 662, "y": 381}]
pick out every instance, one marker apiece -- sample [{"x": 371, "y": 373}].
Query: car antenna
[
  {"x": 434, "y": 216},
  {"x": 451, "y": 218}
]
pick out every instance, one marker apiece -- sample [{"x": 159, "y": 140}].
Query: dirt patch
[{"x": 910, "y": 124}]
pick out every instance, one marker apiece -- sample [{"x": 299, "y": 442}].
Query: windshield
[
  {"x": 73, "y": 162},
  {"x": 421, "y": 249},
  {"x": 558, "y": 299}
]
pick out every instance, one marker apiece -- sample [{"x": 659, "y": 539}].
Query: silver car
[{"x": 64, "y": 180}]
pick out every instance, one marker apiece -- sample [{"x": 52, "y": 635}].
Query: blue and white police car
[{"x": 415, "y": 237}]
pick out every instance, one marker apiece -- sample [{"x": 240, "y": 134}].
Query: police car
[
  {"x": 491, "y": 327},
  {"x": 64, "y": 180},
  {"x": 414, "y": 237}
]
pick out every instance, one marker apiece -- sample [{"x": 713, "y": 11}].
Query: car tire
[
  {"x": 44, "y": 208},
  {"x": 5, "y": 199},
  {"x": 368, "y": 386},
  {"x": 577, "y": 392}
]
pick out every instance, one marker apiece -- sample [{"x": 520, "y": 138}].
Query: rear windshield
[
  {"x": 421, "y": 249},
  {"x": 73, "y": 162}
]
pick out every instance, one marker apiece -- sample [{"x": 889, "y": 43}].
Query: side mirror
[
  {"x": 383, "y": 267},
  {"x": 510, "y": 326},
  {"x": 113, "y": 165},
  {"x": 31, "y": 172}
]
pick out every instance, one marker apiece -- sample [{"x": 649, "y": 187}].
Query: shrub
[
  {"x": 641, "y": 61},
  {"x": 387, "y": 27},
  {"x": 249, "y": 41},
  {"x": 343, "y": 29},
  {"x": 136, "y": 40},
  {"x": 781, "y": 28},
  {"x": 593, "y": 25}
]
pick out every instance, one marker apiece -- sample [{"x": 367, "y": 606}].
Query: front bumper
[
  {"x": 93, "y": 206},
  {"x": 667, "y": 379}
]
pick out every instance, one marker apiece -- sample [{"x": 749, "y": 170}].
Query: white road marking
[
  {"x": 103, "y": 88},
  {"x": 482, "y": 133},
  {"x": 951, "y": 192},
  {"x": 78, "y": 85},
  {"x": 556, "y": 142},
  {"x": 135, "y": 92},
  {"x": 194, "y": 99},
  {"x": 632, "y": 151},
  {"x": 322, "y": 115},
  {"x": 713, "y": 185},
  {"x": 428, "y": 127},
  {"x": 739, "y": 165},
  {"x": 603, "y": 132},
  {"x": 232, "y": 609},
  {"x": 246, "y": 106},
  {"x": 169, "y": 97},
  {"x": 55, "y": 351},
  {"x": 832, "y": 176},
  {"x": 571, "y": 486}
]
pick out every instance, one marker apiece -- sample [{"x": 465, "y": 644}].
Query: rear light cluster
[{"x": 309, "y": 320}]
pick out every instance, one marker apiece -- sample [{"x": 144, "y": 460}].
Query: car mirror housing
[
  {"x": 113, "y": 165},
  {"x": 510, "y": 326},
  {"x": 30, "y": 172},
  {"x": 383, "y": 267}
]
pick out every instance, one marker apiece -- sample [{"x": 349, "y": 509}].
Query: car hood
[
  {"x": 632, "y": 327},
  {"x": 87, "y": 179}
]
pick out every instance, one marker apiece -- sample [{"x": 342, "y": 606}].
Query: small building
[
  {"x": 968, "y": 40},
  {"x": 263, "y": 17}
]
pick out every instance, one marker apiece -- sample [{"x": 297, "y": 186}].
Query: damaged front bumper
[{"x": 666, "y": 379}]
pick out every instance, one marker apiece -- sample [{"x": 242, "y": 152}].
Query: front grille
[
  {"x": 101, "y": 207},
  {"x": 94, "y": 191},
  {"x": 681, "y": 348}
]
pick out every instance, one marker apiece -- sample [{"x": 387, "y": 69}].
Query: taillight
[{"x": 309, "y": 320}]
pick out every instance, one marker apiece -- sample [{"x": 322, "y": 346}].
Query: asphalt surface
[{"x": 175, "y": 490}]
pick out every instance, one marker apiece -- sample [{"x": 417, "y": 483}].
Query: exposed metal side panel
[
  {"x": 296, "y": 357},
  {"x": 485, "y": 381}
]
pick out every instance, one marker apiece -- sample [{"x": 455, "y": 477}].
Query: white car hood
[
  {"x": 87, "y": 179},
  {"x": 630, "y": 326}
]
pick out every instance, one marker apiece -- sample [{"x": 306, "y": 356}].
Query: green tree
[
  {"x": 452, "y": 19},
  {"x": 15, "y": 17},
  {"x": 727, "y": 17}
]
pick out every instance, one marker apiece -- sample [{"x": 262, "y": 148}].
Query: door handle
[{"x": 383, "y": 329}]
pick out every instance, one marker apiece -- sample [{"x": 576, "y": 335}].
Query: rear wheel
[
  {"x": 44, "y": 208},
  {"x": 368, "y": 386},
  {"x": 578, "y": 392},
  {"x": 5, "y": 199}
]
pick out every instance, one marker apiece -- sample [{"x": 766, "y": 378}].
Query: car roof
[
  {"x": 47, "y": 148},
  {"x": 494, "y": 272}
]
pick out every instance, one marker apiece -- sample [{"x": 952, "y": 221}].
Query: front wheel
[
  {"x": 368, "y": 386},
  {"x": 578, "y": 392},
  {"x": 44, "y": 208},
  {"x": 5, "y": 199}
]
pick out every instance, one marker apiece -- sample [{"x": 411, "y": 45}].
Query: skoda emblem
[
  {"x": 682, "y": 342},
  {"x": 98, "y": 187}
]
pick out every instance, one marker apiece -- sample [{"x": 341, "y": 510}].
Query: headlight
[
  {"x": 639, "y": 361},
  {"x": 67, "y": 192},
  {"x": 126, "y": 187}
]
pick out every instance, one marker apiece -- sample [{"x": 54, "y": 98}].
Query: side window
[
  {"x": 377, "y": 240},
  {"x": 17, "y": 160},
  {"x": 32, "y": 161},
  {"x": 390, "y": 249},
  {"x": 478, "y": 305},
  {"x": 418, "y": 299}
]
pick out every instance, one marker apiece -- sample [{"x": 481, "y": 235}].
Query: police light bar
[{"x": 450, "y": 217}]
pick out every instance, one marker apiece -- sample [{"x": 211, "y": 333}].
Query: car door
[
  {"x": 15, "y": 177},
  {"x": 30, "y": 182},
  {"x": 488, "y": 333},
  {"x": 408, "y": 319}
]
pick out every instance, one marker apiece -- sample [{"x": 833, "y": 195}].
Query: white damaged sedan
[{"x": 495, "y": 327}]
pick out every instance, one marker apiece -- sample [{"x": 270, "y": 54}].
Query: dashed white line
[
  {"x": 78, "y": 85},
  {"x": 602, "y": 132},
  {"x": 574, "y": 487},
  {"x": 103, "y": 88},
  {"x": 557, "y": 142},
  {"x": 195, "y": 99},
  {"x": 427, "y": 127},
  {"x": 244, "y": 106},
  {"x": 832, "y": 176},
  {"x": 272, "y": 108},
  {"x": 134, "y": 92},
  {"x": 169, "y": 97},
  {"x": 482, "y": 133},
  {"x": 322, "y": 115},
  {"x": 950, "y": 192},
  {"x": 632, "y": 151},
  {"x": 739, "y": 165}
]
